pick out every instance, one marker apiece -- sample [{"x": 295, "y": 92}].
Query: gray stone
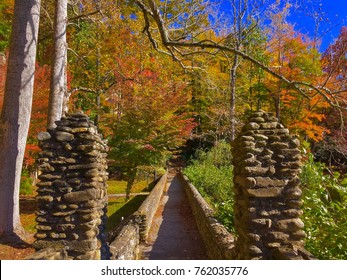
[
  {"x": 269, "y": 125},
  {"x": 256, "y": 171},
  {"x": 81, "y": 196},
  {"x": 278, "y": 236},
  {"x": 278, "y": 146},
  {"x": 92, "y": 173},
  {"x": 62, "y": 136},
  {"x": 79, "y": 130},
  {"x": 293, "y": 213},
  {"x": 44, "y": 199},
  {"x": 252, "y": 126},
  {"x": 290, "y": 224},
  {"x": 247, "y": 138},
  {"x": 267, "y": 182},
  {"x": 44, "y": 136},
  {"x": 261, "y": 223},
  {"x": 44, "y": 228},
  {"x": 293, "y": 193},
  {"x": 49, "y": 177},
  {"x": 83, "y": 166},
  {"x": 257, "y": 119},
  {"x": 254, "y": 250},
  {"x": 63, "y": 213},
  {"x": 265, "y": 192}
]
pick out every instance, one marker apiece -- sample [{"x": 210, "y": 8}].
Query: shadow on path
[{"x": 174, "y": 234}]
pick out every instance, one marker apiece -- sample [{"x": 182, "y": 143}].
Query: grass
[
  {"x": 118, "y": 187},
  {"x": 118, "y": 209},
  {"x": 27, "y": 214}
]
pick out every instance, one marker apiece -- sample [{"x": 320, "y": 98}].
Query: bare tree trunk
[
  {"x": 15, "y": 117},
  {"x": 233, "y": 96},
  {"x": 58, "y": 91}
]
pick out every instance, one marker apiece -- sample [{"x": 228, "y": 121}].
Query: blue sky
[{"x": 333, "y": 15}]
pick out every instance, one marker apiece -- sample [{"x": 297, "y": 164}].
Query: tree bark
[
  {"x": 15, "y": 116},
  {"x": 58, "y": 91},
  {"x": 233, "y": 96}
]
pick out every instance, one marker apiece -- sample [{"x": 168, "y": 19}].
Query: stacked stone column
[
  {"x": 72, "y": 192},
  {"x": 267, "y": 191}
]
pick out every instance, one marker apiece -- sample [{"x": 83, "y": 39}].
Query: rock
[
  {"x": 44, "y": 199},
  {"x": 265, "y": 192},
  {"x": 79, "y": 129},
  {"x": 254, "y": 250},
  {"x": 293, "y": 193},
  {"x": 278, "y": 146},
  {"x": 255, "y": 171},
  {"x": 278, "y": 236},
  {"x": 40, "y": 235},
  {"x": 81, "y": 196},
  {"x": 49, "y": 177},
  {"x": 293, "y": 213},
  {"x": 91, "y": 173},
  {"x": 260, "y": 137},
  {"x": 63, "y": 213},
  {"x": 62, "y": 136},
  {"x": 247, "y": 138},
  {"x": 257, "y": 119},
  {"x": 267, "y": 182},
  {"x": 44, "y": 136},
  {"x": 83, "y": 166},
  {"x": 252, "y": 126},
  {"x": 262, "y": 223},
  {"x": 290, "y": 225},
  {"x": 268, "y": 125},
  {"x": 44, "y": 228}
]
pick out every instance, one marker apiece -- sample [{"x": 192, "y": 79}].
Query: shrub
[
  {"x": 26, "y": 184},
  {"x": 211, "y": 173},
  {"x": 325, "y": 211}
]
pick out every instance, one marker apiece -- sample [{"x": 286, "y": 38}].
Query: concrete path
[{"x": 174, "y": 234}]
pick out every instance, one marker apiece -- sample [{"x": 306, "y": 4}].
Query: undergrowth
[
  {"x": 324, "y": 198},
  {"x": 211, "y": 173}
]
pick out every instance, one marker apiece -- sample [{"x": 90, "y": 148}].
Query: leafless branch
[{"x": 152, "y": 14}]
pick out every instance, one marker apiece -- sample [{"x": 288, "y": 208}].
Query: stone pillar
[
  {"x": 72, "y": 192},
  {"x": 267, "y": 191}
]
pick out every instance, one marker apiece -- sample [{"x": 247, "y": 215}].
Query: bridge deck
[{"x": 174, "y": 234}]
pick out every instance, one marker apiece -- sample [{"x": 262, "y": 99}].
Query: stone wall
[
  {"x": 72, "y": 192},
  {"x": 126, "y": 242},
  {"x": 267, "y": 191},
  {"x": 219, "y": 243},
  {"x": 126, "y": 239},
  {"x": 149, "y": 207}
]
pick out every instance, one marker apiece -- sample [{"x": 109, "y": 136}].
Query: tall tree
[
  {"x": 157, "y": 29},
  {"x": 58, "y": 92},
  {"x": 244, "y": 18},
  {"x": 15, "y": 115}
]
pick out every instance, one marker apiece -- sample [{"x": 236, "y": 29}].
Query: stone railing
[
  {"x": 219, "y": 243},
  {"x": 72, "y": 192},
  {"x": 126, "y": 239},
  {"x": 125, "y": 244},
  {"x": 149, "y": 207}
]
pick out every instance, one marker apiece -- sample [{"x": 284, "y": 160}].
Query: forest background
[{"x": 153, "y": 98}]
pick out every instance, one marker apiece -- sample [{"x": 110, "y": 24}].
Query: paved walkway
[{"x": 174, "y": 234}]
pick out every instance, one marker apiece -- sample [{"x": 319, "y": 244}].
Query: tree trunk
[
  {"x": 58, "y": 91},
  {"x": 132, "y": 171},
  {"x": 15, "y": 117},
  {"x": 233, "y": 96}
]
